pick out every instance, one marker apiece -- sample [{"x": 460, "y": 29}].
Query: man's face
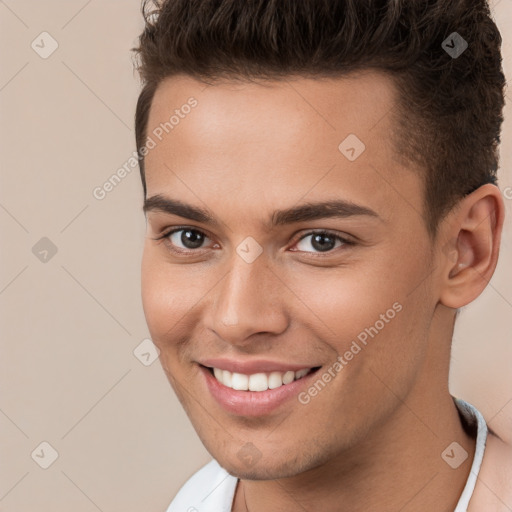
[{"x": 286, "y": 291}]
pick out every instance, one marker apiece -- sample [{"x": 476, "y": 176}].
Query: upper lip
[{"x": 253, "y": 366}]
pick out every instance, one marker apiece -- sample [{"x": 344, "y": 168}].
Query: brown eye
[
  {"x": 319, "y": 242},
  {"x": 323, "y": 242},
  {"x": 187, "y": 238}
]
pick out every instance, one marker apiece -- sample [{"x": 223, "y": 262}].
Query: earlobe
[{"x": 474, "y": 229}]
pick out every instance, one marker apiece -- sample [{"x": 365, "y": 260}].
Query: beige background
[{"x": 70, "y": 325}]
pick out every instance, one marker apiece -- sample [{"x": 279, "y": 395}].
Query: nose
[{"x": 249, "y": 300}]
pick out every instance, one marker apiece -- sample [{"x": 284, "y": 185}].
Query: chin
[
  {"x": 266, "y": 467},
  {"x": 260, "y": 471}
]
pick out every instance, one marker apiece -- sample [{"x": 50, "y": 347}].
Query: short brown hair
[{"x": 449, "y": 114}]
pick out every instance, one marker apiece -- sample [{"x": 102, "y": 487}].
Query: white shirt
[{"x": 212, "y": 488}]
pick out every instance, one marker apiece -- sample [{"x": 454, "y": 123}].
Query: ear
[{"x": 473, "y": 230}]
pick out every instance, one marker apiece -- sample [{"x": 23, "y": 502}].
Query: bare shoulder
[{"x": 493, "y": 490}]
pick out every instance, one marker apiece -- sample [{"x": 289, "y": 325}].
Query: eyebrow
[{"x": 301, "y": 213}]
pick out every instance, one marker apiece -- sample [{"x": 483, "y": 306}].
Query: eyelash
[{"x": 167, "y": 234}]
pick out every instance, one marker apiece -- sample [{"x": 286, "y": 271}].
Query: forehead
[{"x": 278, "y": 141}]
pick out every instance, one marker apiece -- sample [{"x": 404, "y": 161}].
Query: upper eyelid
[
  {"x": 324, "y": 232},
  {"x": 166, "y": 232}
]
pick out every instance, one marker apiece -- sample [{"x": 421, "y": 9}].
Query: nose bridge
[{"x": 247, "y": 301}]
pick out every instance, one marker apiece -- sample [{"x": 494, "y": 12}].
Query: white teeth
[
  {"x": 301, "y": 373},
  {"x": 239, "y": 381},
  {"x": 288, "y": 377},
  {"x": 226, "y": 378},
  {"x": 257, "y": 381},
  {"x": 275, "y": 380}
]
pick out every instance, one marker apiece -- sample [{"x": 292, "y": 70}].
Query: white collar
[{"x": 474, "y": 419}]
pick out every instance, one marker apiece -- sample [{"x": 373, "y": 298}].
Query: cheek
[
  {"x": 345, "y": 302},
  {"x": 168, "y": 301},
  {"x": 167, "y": 297},
  {"x": 378, "y": 305}
]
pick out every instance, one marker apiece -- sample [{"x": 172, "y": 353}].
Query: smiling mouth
[{"x": 261, "y": 381}]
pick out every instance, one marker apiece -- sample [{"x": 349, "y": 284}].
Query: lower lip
[{"x": 253, "y": 403}]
